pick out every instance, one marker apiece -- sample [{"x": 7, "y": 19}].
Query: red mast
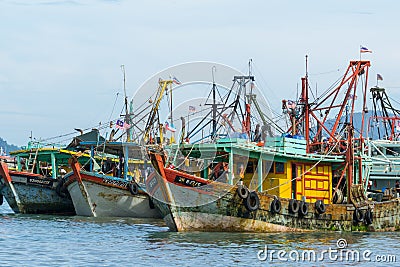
[
  {"x": 337, "y": 104},
  {"x": 304, "y": 101},
  {"x": 331, "y": 116}
]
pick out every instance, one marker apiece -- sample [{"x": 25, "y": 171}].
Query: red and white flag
[
  {"x": 192, "y": 109},
  {"x": 122, "y": 125},
  {"x": 169, "y": 127},
  {"x": 363, "y": 49},
  {"x": 176, "y": 81}
]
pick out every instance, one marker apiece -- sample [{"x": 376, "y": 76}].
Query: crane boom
[{"x": 162, "y": 86}]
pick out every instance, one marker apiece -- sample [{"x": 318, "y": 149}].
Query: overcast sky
[{"x": 60, "y": 60}]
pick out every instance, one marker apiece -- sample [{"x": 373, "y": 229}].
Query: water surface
[{"x": 44, "y": 240}]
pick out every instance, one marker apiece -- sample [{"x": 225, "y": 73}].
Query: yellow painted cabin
[
  {"x": 313, "y": 182},
  {"x": 281, "y": 161}
]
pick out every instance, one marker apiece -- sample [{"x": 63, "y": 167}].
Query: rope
[
  {"x": 312, "y": 167},
  {"x": 109, "y": 119}
]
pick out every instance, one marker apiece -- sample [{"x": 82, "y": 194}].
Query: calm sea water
[{"x": 42, "y": 240}]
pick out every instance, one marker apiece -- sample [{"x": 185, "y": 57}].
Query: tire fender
[
  {"x": 358, "y": 215},
  {"x": 242, "y": 191},
  {"x": 133, "y": 188},
  {"x": 252, "y": 202},
  {"x": 276, "y": 205},
  {"x": 303, "y": 208},
  {"x": 294, "y": 206},
  {"x": 369, "y": 217},
  {"x": 320, "y": 206}
]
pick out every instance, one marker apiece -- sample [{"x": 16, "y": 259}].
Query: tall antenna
[
  {"x": 304, "y": 94},
  {"x": 250, "y": 66},
  {"x": 306, "y": 66}
]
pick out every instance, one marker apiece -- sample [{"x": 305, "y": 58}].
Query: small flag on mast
[
  {"x": 351, "y": 96},
  {"x": 290, "y": 104},
  {"x": 192, "y": 109},
  {"x": 363, "y": 49},
  {"x": 379, "y": 77},
  {"x": 122, "y": 125},
  {"x": 176, "y": 81},
  {"x": 169, "y": 127}
]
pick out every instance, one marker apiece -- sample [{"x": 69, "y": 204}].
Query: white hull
[{"x": 107, "y": 201}]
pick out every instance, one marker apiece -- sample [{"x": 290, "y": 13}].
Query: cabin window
[
  {"x": 279, "y": 167},
  {"x": 268, "y": 167},
  {"x": 392, "y": 151},
  {"x": 320, "y": 169},
  {"x": 250, "y": 167},
  {"x": 389, "y": 152}
]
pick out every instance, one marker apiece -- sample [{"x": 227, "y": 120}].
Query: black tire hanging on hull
[
  {"x": 294, "y": 206},
  {"x": 276, "y": 206},
  {"x": 252, "y": 202},
  {"x": 320, "y": 206},
  {"x": 303, "y": 208},
  {"x": 369, "y": 217},
  {"x": 133, "y": 188},
  {"x": 242, "y": 191},
  {"x": 358, "y": 215}
]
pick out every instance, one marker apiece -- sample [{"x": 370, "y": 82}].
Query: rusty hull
[{"x": 229, "y": 214}]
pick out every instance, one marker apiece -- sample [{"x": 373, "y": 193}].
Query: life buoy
[
  {"x": 368, "y": 217},
  {"x": 276, "y": 205},
  {"x": 242, "y": 191},
  {"x": 133, "y": 188},
  {"x": 294, "y": 206},
  {"x": 1, "y": 199},
  {"x": 252, "y": 202},
  {"x": 303, "y": 208},
  {"x": 358, "y": 215},
  {"x": 320, "y": 206}
]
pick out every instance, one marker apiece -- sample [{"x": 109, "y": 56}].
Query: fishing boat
[
  {"x": 314, "y": 177},
  {"x": 33, "y": 186},
  {"x": 384, "y": 141},
  {"x": 11, "y": 163},
  {"x": 116, "y": 187},
  {"x": 105, "y": 192}
]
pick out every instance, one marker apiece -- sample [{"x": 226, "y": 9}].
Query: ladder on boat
[{"x": 32, "y": 161}]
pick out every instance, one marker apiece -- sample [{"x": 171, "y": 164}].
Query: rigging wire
[{"x": 112, "y": 111}]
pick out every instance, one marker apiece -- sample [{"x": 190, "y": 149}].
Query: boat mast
[
  {"x": 247, "y": 122},
  {"x": 214, "y": 106},
  {"x": 350, "y": 158},
  {"x": 127, "y": 117},
  {"x": 304, "y": 100},
  {"x": 172, "y": 140},
  {"x": 384, "y": 110}
]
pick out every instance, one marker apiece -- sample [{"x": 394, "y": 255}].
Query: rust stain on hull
[{"x": 229, "y": 214}]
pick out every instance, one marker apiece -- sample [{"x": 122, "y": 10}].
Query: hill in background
[{"x": 6, "y": 147}]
